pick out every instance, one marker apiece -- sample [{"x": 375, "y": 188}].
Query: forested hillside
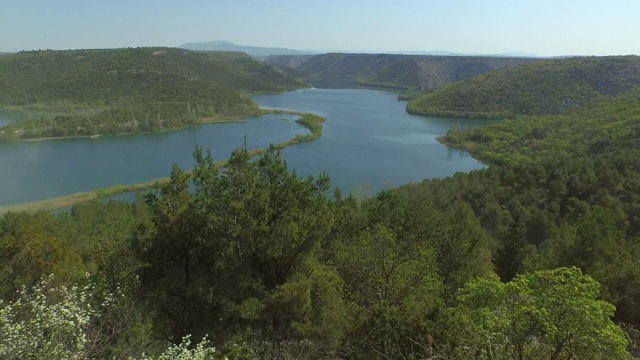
[
  {"x": 127, "y": 90},
  {"x": 567, "y": 189},
  {"x": 267, "y": 265},
  {"x": 535, "y": 257},
  {"x": 406, "y": 72},
  {"x": 545, "y": 87}
]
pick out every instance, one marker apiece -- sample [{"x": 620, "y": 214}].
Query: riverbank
[
  {"x": 218, "y": 119},
  {"x": 471, "y": 151},
  {"x": 308, "y": 120}
]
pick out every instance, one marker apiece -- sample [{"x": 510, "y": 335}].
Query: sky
[{"x": 536, "y": 27}]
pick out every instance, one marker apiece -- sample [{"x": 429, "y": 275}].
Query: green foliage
[
  {"x": 266, "y": 265},
  {"x": 254, "y": 220},
  {"x": 610, "y": 126},
  {"x": 553, "y": 314},
  {"x": 311, "y": 122},
  {"x": 313, "y": 300},
  {"x": 130, "y": 90},
  {"x": 544, "y": 87},
  {"x": 406, "y": 72},
  {"x": 510, "y": 254},
  {"x": 393, "y": 285}
]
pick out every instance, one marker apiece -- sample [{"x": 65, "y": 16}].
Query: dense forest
[
  {"x": 267, "y": 265},
  {"x": 536, "y": 256},
  {"x": 405, "y": 72},
  {"x": 90, "y": 92},
  {"x": 545, "y": 87}
]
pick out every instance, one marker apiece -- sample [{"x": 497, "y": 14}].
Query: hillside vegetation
[
  {"x": 564, "y": 189},
  {"x": 269, "y": 265},
  {"x": 544, "y": 87},
  {"x": 406, "y": 72},
  {"x": 535, "y": 257},
  {"x": 611, "y": 125},
  {"x": 127, "y": 90}
]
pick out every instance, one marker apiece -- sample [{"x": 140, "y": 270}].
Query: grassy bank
[
  {"x": 310, "y": 121},
  {"x": 216, "y": 119}
]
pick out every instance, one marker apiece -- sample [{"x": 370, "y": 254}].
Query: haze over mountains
[
  {"x": 261, "y": 51},
  {"x": 255, "y": 51},
  {"x": 405, "y": 72}
]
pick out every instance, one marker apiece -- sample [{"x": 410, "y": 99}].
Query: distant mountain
[
  {"x": 546, "y": 87},
  {"x": 255, "y": 51},
  {"x": 450, "y": 53},
  {"x": 406, "y": 72}
]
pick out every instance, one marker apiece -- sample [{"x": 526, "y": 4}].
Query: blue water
[
  {"x": 368, "y": 140},
  {"x": 32, "y": 171}
]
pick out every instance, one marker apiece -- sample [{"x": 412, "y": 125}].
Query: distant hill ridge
[
  {"x": 546, "y": 87},
  {"x": 115, "y": 91},
  {"x": 140, "y": 74},
  {"x": 255, "y": 51},
  {"x": 407, "y": 72}
]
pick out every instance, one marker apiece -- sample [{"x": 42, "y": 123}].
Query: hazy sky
[{"x": 542, "y": 27}]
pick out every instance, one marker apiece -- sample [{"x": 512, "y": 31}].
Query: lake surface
[
  {"x": 39, "y": 170},
  {"x": 368, "y": 140}
]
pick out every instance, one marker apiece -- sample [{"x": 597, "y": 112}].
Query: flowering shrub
[
  {"x": 182, "y": 351},
  {"x": 46, "y": 322}
]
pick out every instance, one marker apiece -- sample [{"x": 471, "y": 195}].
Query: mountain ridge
[
  {"x": 255, "y": 51},
  {"x": 411, "y": 73},
  {"x": 547, "y": 87}
]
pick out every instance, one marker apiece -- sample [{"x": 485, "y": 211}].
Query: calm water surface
[
  {"x": 32, "y": 171},
  {"x": 368, "y": 140}
]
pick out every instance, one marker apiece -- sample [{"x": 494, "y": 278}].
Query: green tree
[
  {"x": 216, "y": 255},
  {"x": 552, "y": 314},
  {"x": 393, "y": 287},
  {"x": 511, "y": 251}
]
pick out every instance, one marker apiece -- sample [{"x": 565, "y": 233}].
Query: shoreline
[
  {"x": 442, "y": 139},
  {"x": 310, "y": 121},
  {"x": 218, "y": 119}
]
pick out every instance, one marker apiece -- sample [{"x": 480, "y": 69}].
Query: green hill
[
  {"x": 610, "y": 125},
  {"x": 125, "y": 90},
  {"x": 406, "y": 72},
  {"x": 540, "y": 88}
]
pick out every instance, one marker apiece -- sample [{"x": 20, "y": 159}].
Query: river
[{"x": 368, "y": 141}]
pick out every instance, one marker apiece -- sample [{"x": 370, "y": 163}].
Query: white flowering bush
[
  {"x": 62, "y": 322},
  {"x": 182, "y": 351},
  {"x": 47, "y": 322}
]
